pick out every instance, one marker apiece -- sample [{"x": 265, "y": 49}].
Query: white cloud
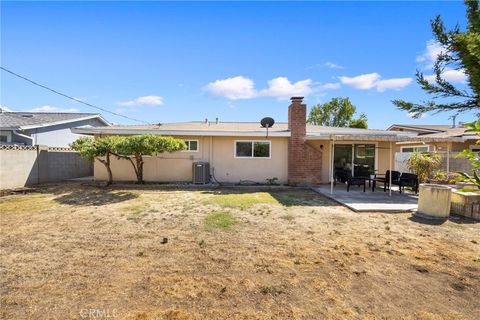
[
  {"x": 47, "y": 108},
  {"x": 329, "y": 86},
  {"x": 332, "y": 65},
  {"x": 234, "y": 88},
  {"x": 143, "y": 101},
  {"x": 240, "y": 87},
  {"x": 362, "y": 82},
  {"x": 432, "y": 50},
  {"x": 283, "y": 89},
  {"x": 5, "y": 108},
  {"x": 373, "y": 80},
  {"x": 450, "y": 75},
  {"x": 395, "y": 84},
  {"x": 412, "y": 115}
]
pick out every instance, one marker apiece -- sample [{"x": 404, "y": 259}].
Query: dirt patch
[{"x": 75, "y": 250}]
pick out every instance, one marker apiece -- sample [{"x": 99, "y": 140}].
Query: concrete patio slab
[{"x": 357, "y": 200}]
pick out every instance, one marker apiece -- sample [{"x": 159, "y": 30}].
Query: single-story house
[
  {"x": 44, "y": 128},
  {"x": 291, "y": 152}
]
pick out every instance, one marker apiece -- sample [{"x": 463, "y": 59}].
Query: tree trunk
[
  {"x": 106, "y": 163},
  {"x": 139, "y": 169},
  {"x": 109, "y": 170}
]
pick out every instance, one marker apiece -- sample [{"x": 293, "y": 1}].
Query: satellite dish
[{"x": 267, "y": 122}]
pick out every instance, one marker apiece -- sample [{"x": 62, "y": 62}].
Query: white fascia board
[
  {"x": 100, "y": 130},
  {"x": 49, "y": 124},
  {"x": 414, "y": 129}
]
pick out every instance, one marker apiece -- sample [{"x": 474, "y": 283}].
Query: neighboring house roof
[
  {"x": 421, "y": 128},
  {"x": 251, "y": 129},
  {"x": 32, "y": 120},
  {"x": 436, "y": 131}
]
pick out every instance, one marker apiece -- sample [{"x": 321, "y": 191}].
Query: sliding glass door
[
  {"x": 363, "y": 160},
  {"x": 356, "y": 159}
]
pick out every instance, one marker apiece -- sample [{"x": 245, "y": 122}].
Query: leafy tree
[
  {"x": 99, "y": 148},
  {"x": 338, "y": 112},
  {"x": 461, "y": 52},
  {"x": 360, "y": 122},
  {"x": 133, "y": 148}
]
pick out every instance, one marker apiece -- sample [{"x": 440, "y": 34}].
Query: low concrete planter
[
  {"x": 466, "y": 185},
  {"x": 466, "y": 204},
  {"x": 434, "y": 200}
]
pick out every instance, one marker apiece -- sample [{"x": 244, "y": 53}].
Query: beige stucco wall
[
  {"x": 384, "y": 149},
  {"x": 218, "y": 151},
  {"x": 230, "y": 169}
]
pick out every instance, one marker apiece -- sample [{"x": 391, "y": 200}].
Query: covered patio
[{"x": 362, "y": 155}]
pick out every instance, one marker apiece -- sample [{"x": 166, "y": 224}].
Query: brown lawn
[{"x": 81, "y": 252}]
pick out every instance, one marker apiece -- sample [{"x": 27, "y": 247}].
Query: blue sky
[{"x": 180, "y": 61}]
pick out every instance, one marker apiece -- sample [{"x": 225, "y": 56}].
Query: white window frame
[
  {"x": 416, "y": 146},
  {"x": 253, "y": 151},
  {"x": 187, "y": 142},
  {"x": 474, "y": 147},
  {"x": 352, "y": 144}
]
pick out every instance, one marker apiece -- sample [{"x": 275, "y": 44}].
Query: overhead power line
[{"x": 70, "y": 97}]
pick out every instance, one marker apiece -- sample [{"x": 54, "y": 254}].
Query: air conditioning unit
[{"x": 201, "y": 172}]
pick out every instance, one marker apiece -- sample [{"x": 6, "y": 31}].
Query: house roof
[
  {"x": 438, "y": 131},
  {"x": 31, "y": 120},
  {"x": 250, "y": 129},
  {"x": 422, "y": 127}
]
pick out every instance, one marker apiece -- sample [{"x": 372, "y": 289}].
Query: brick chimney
[
  {"x": 297, "y": 117},
  {"x": 304, "y": 161}
]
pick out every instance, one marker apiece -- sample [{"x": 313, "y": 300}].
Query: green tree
[
  {"x": 461, "y": 52},
  {"x": 338, "y": 112},
  {"x": 360, "y": 122},
  {"x": 100, "y": 149},
  {"x": 133, "y": 148}
]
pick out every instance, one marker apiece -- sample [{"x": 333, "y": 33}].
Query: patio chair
[
  {"x": 408, "y": 180},
  {"x": 355, "y": 181},
  {"x": 385, "y": 179}
]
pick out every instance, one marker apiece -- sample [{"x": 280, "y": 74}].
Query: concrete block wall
[{"x": 22, "y": 166}]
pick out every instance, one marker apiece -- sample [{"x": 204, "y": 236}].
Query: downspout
[{"x": 390, "y": 175}]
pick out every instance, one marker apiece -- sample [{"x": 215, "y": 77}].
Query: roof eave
[
  {"x": 426, "y": 130},
  {"x": 387, "y": 138},
  {"x": 49, "y": 124},
  {"x": 113, "y": 131}
]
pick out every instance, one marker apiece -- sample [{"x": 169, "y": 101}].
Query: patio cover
[{"x": 387, "y": 136}]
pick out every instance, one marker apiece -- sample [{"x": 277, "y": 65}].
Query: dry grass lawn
[{"x": 81, "y": 252}]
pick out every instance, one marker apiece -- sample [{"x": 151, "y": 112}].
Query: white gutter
[
  {"x": 204, "y": 133},
  {"x": 22, "y": 135}
]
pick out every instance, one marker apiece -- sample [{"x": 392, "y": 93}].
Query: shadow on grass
[
  {"x": 251, "y": 196},
  {"x": 94, "y": 197},
  {"x": 419, "y": 218}
]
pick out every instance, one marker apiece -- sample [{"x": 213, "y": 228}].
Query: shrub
[{"x": 423, "y": 164}]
